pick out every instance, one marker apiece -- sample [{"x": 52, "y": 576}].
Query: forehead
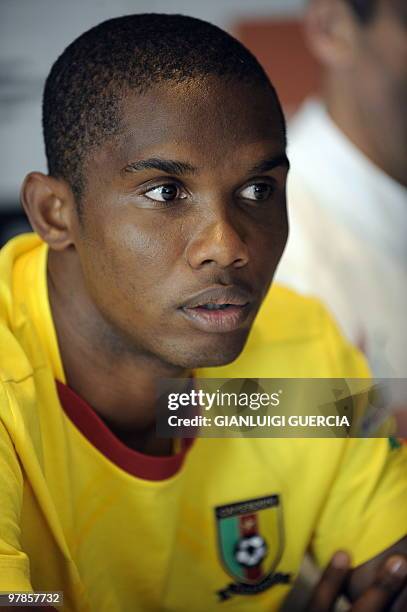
[{"x": 207, "y": 119}]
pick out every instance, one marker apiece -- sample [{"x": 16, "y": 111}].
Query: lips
[
  {"x": 220, "y": 309},
  {"x": 235, "y": 296}
]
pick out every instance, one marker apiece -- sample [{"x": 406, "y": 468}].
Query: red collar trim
[{"x": 147, "y": 467}]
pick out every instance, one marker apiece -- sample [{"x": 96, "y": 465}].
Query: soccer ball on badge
[{"x": 250, "y": 550}]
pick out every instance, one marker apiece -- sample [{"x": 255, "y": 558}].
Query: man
[
  {"x": 160, "y": 225},
  {"x": 348, "y": 187}
]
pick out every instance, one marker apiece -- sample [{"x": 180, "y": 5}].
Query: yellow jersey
[{"x": 221, "y": 525}]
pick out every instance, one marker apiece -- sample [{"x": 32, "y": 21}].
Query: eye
[
  {"x": 257, "y": 192},
  {"x": 165, "y": 193}
]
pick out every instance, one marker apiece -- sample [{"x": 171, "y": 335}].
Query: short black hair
[
  {"x": 81, "y": 103},
  {"x": 364, "y": 9}
]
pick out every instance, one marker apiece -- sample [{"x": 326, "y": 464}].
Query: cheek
[
  {"x": 268, "y": 245},
  {"x": 273, "y": 234},
  {"x": 131, "y": 260},
  {"x": 381, "y": 74}
]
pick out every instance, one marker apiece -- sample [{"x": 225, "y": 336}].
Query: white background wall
[{"x": 34, "y": 32}]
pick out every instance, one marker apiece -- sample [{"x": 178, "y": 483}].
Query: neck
[
  {"x": 367, "y": 131},
  {"x": 118, "y": 381}
]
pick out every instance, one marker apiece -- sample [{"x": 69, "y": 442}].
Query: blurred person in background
[{"x": 347, "y": 191}]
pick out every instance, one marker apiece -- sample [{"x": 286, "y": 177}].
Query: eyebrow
[
  {"x": 179, "y": 168},
  {"x": 168, "y": 166},
  {"x": 269, "y": 164}
]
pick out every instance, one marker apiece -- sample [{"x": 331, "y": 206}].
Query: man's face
[
  {"x": 185, "y": 219},
  {"x": 380, "y": 78}
]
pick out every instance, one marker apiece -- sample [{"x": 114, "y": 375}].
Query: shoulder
[
  {"x": 294, "y": 336},
  {"x": 286, "y": 315},
  {"x": 14, "y": 362}
]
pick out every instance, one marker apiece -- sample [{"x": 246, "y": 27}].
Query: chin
[{"x": 215, "y": 352}]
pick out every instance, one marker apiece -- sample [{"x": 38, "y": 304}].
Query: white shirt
[{"x": 348, "y": 238}]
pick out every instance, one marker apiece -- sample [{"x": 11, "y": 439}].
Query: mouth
[{"x": 221, "y": 309}]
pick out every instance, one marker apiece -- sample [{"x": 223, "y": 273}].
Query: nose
[{"x": 218, "y": 243}]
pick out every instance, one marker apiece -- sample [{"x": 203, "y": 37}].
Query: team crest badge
[{"x": 251, "y": 541}]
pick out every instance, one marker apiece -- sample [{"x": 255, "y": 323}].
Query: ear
[
  {"x": 332, "y": 32},
  {"x": 49, "y": 205}
]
